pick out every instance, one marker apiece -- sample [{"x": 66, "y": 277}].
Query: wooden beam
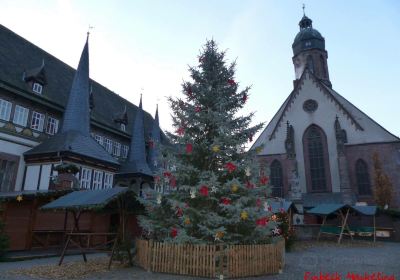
[{"x": 343, "y": 224}]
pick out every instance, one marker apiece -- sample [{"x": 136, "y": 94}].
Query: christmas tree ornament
[
  {"x": 213, "y": 189},
  {"x": 173, "y": 168},
  {"x": 159, "y": 198},
  {"x": 266, "y": 207},
  {"x": 231, "y": 82},
  {"x": 215, "y": 148},
  {"x": 167, "y": 174},
  {"x": 225, "y": 201},
  {"x": 249, "y": 185},
  {"x": 187, "y": 221},
  {"x": 19, "y": 198},
  {"x": 219, "y": 235},
  {"x": 244, "y": 98},
  {"x": 203, "y": 190},
  {"x": 197, "y": 109},
  {"x": 180, "y": 131},
  {"x": 264, "y": 180},
  {"x": 189, "y": 92},
  {"x": 248, "y": 171},
  {"x": 179, "y": 211},
  {"x": 189, "y": 148},
  {"x": 174, "y": 232},
  {"x": 244, "y": 215},
  {"x": 282, "y": 211},
  {"x": 262, "y": 221},
  {"x": 258, "y": 202},
  {"x": 276, "y": 231},
  {"x": 259, "y": 149},
  {"x": 193, "y": 193},
  {"x": 230, "y": 167},
  {"x": 209, "y": 88},
  {"x": 273, "y": 217},
  {"x": 234, "y": 188}
]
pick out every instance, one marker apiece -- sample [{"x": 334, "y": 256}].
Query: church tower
[{"x": 309, "y": 51}]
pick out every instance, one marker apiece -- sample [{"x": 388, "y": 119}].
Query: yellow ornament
[
  {"x": 244, "y": 215},
  {"x": 219, "y": 235},
  {"x": 215, "y": 148},
  {"x": 259, "y": 149},
  {"x": 19, "y": 198},
  {"x": 234, "y": 188},
  {"x": 187, "y": 221}
]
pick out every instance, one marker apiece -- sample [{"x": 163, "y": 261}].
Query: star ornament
[
  {"x": 248, "y": 171},
  {"x": 193, "y": 193},
  {"x": 244, "y": 215},
  {"x": 19, "y": 198},
  {"x": 215, "y": 148},
  {"x": 213, "y": 189},
  {"x": 276, "y": 231},
  {"x": 235, "y": 188}
]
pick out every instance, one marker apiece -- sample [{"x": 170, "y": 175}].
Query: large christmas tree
[{"x": 209, "y": 189}]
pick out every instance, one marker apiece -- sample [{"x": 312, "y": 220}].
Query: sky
[{"x": 147, "y": 46}]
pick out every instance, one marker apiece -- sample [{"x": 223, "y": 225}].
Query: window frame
[
  {"x": 38, "y": 118},
  {"x": 108, "y": 180},
  {"x": 86, "y": 178},
  {"x": 54, "y": 125},
  {"x": 274, "y": 167},
  {"x": 5, "y": 108},
  {"x": 18, "y": 111},
  {"x": 108, "y": 145},
  {"x": 365, "y": 180},
  {"x": 37, "y": 88},
  {"x": 116, "y": 149},
  {"x": 97, "y": 179}
]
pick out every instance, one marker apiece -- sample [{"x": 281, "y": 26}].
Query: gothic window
[
  {"x": 323, "y": 66},
  {"x": 276, "y": 179},
  {"x": 362, "y": 175},
  {"x": 316, "y": 161},
  {"x": 310, "y": 63}
]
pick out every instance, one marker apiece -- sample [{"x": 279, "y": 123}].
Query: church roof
[
  {"x": 359, "y": 119},
  {"x": 18, "y": 55}
]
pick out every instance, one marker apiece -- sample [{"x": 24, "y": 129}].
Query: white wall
[
  {"x": 32, "y": 177},
  {"x": 14, "y": 145}
]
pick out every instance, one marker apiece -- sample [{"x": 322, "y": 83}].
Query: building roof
[
  {"x": 18, "y": 55},
  {"x": 308, "y": 37},
  {"x": 86, "y": 199},
  {"x": 136, "y": 162},
  {"x": 72, "y": 142}
]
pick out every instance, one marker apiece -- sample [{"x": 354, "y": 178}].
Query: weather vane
[{"x": 90, "y": 27}]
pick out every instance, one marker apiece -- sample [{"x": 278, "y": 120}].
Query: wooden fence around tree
[{"x": 232, "y": 261}]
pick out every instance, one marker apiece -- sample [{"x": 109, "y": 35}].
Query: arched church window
[
  {"x": 315, "y": 158},
  {"x": 276, "y": 178},
  {"x": 310, "y": 63},
  {"x": 323, "y": 66},
  {"x": 363, "y": 180}
]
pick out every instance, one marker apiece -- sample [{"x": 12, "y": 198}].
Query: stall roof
[
  {"x": 87, "y": 199},
  {"x": 283, "y": 204},
  {"x": 327, "y": 209}
]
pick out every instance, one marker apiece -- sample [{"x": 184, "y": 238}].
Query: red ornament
[
  {"x": 180, "y": 131},
  {"x": 244, "y": 98},
  {"x": 174, "y": 232},
  {"x": 189, "y": 148},
  {"x": 225, "y": 201},
  {"x": 258, "y": 202},
  {"x": 167, "y": 174},
  {"x": 179, "y": 211},
  {"x": 262, "y": 221},
  {"x": 231, "y": 82},
  {"x": 197, "y": 109},
  {"x": 249, "y": 185},
  {"x": 230, "y": 166},
  {"x": 204, "y": 190},
  {"x": 172, "y": 181},
  {"x": 264, "y": 180}
]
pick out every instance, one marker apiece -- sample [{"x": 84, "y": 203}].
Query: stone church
[{"x": 319, "y": 146}]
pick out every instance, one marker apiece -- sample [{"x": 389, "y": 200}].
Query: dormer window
[{"x": 36, "y": 87}]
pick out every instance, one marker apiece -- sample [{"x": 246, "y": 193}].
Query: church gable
[{"x": 312, "y": 102}]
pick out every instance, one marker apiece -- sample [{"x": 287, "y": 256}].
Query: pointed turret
[
  {"x": 136, "y": 162},
  {"x": 154, "y": 143},
  {"x": 74, "y": 136},
  {"x": 76, "y": 116}
]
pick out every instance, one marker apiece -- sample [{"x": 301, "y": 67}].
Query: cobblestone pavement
[{"x": 341, "y": 260}]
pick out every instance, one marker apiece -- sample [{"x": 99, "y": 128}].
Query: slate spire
[
  {"x": 77, "y": 113},
  {"x": 155, "y": 142},
  {"x": 137, "y": 162}
]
